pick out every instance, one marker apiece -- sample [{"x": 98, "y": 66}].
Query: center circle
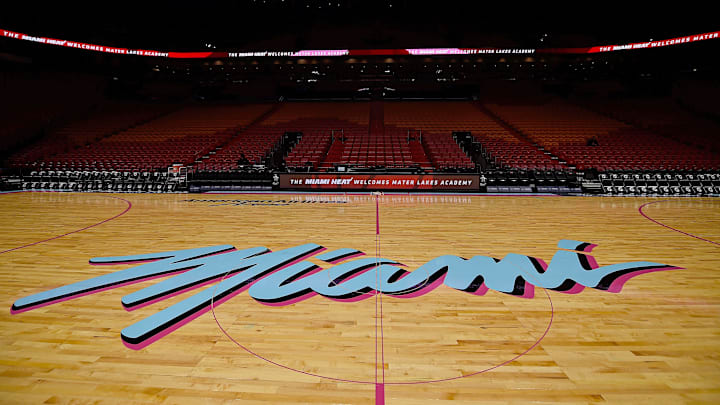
[{"x": 339, "y": 379}]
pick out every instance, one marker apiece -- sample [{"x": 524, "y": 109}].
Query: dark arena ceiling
[
  {"x": 357, "y": 24},
  {"x": 288, "y": 25}
]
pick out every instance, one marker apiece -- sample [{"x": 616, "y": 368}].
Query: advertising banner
[
  {"x": 384, "y": 181},
  {"x": 355, "y": 52}
]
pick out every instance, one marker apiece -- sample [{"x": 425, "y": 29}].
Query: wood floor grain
[{"x": 657, "y": 341}]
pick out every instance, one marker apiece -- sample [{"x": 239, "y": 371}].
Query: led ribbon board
[{"x": 356, "y": 52}]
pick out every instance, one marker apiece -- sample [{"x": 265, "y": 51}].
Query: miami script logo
[{"x": 285, "y": 277}]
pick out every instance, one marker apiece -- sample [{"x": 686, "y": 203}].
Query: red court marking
[
  {"x": 379, "y": 394},
  {"x": 377, "y": 215},
  {"x": 537, "y": 342},
  {"x": 670, "y": 227},
  {"x": 78, "y": 230},
  {"x": 379, "y": 388},
  {"x": 265, "y": 359}
]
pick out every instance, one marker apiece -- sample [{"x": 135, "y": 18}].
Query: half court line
[{"x": 379, "y": 386}]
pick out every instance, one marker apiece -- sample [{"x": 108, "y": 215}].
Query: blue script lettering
[{"x": 283, "y": 278}]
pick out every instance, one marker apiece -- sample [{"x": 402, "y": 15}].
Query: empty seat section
[
  {"x": 587, "y": 139},
  {"x": 103, "y": 122},
  {"x": 388, "y": 150},
  {"x": 315, "y": 143},
  {"x": 664, "y": 117},
  {"x": 316, "y": 121},
  {"x": 436, "y": 121},
  {"x": 181, "y": 137}
]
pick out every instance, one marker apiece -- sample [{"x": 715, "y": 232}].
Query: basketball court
[{"x": 655, "y": 341}]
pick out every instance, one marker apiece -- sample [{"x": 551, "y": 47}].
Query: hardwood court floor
[{"x": 657, "y": 341}]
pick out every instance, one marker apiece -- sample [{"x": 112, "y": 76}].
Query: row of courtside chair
[
  {"x": 110, "y": 181},
  {"x": 661, "y": 184},
  {"x": 99, "y": 186},
  {"x": 84, "y": 175}
]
